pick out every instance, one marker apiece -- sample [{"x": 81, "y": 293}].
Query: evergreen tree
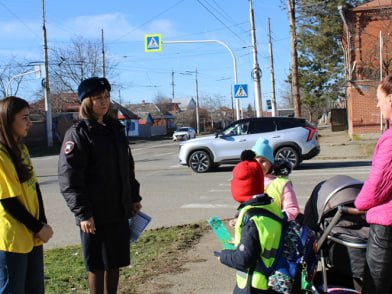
[{"x": 320, "y": 54}]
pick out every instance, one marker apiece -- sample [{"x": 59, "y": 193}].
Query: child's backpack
[
  {"x": 296, "y": 260},
  {"x": 295, "y": 267}
]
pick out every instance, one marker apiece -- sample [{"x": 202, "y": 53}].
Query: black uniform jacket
[{"x": 96, "y": 172}]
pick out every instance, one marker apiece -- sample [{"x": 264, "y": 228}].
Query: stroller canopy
[{"x": 327, "y": 196}]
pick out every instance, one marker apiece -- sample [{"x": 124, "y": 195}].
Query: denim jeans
[{"x": 22, "y": 273}]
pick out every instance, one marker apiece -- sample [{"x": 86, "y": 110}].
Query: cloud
[
  {"x": 24, "y": 38},
  {"x": 116, "y": 26},
  {"x": 16, "y": 30}
]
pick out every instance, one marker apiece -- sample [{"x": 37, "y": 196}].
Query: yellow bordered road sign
[{"x": 153, "y": 43}]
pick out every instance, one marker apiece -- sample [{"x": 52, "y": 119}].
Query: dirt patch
[{"x": 158, "y": 283}]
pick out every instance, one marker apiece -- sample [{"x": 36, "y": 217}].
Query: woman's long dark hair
[{"x": 9, "y": 107}]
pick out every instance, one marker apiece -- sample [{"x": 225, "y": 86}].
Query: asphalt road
[{"x": 173, "y": 194}]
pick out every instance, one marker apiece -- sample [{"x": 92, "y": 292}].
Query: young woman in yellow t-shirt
[{"x": 23, "y": 227}]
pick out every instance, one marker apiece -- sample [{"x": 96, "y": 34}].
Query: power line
[
  {"x": 19, "y": 19},
  {"x": 151, "y": 19},
  {"x": 223, "y": 12},
  {"x": 227, "y": 27}
]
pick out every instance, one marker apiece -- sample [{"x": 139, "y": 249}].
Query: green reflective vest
[
  {"x": 269, "y": 235},
  {"x": 275, "y": 189}
]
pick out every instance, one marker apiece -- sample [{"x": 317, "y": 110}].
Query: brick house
[{"x": 362, "y": 28}]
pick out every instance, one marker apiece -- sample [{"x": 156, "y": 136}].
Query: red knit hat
[{"x": 248, "y": 180}]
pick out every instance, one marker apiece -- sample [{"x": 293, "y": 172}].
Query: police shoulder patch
[{"x": 68, "y": 147}]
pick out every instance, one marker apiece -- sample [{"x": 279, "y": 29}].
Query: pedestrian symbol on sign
[
  {"x": 153, "y": 43},
  {"x": 241, "y": 91}
]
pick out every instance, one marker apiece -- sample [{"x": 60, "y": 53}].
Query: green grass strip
[{"x": 157, "y": 251}]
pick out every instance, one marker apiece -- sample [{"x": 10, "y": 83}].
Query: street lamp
[{"x": 37, "y": 69}]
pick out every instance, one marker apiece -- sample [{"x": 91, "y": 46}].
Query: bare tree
[
  {"x": 70, "y": 65},
  {"x": 215, "y": 111},
  {"x": 285, "y": 100},
  {"x": 11, "y": 76},
  {"x": 369, "y": 67},
  {"x": 161, "y": 99}
]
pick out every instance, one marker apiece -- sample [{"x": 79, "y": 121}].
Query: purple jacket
[{"x": 376, "y": 193}]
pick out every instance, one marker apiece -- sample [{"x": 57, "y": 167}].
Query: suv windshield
[{"x": 182, "y": 130}]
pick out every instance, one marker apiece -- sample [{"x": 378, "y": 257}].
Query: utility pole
[
  {"x": 232, "y": 103},
  {"x": 256, "y": 73},
  {"x": 103, "y": 55},
  {"x": 172, "y": 84},
  {"x": 197, "y": 106},
  {"x": 48, "y": 107},
  {"x": 294, "y": 60},
  {"x": 273, "y": 102}
]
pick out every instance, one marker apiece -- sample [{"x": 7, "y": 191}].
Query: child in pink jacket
[
  {"x": 279, "y": 188},
  {"x": 375, "y": 197}
]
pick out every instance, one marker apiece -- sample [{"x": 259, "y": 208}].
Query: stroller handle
[
  {"x": 341, "y": 210},
  {"x": 351, "y": 210}
]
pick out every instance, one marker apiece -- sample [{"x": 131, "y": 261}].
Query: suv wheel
[
  {"x": 200, "y": 161},
  {"x": 290, "y": 154}
]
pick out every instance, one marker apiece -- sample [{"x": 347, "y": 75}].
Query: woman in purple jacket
[{"x": 376, "y": 198}]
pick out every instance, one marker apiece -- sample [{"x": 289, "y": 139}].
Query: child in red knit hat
[
  {"x": 248, "y": 178},
  {"x": 257, "y": 230}
]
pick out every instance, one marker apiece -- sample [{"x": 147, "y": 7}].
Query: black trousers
[{"x": 378, "y": 269}]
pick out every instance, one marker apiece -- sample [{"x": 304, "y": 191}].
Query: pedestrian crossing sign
[
  {"x": 240, "y": 91},
  {"x": 153, "y": 43}
]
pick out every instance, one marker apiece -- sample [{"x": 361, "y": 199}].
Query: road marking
[
  {"x": 212, "y": 198},
  {"x": 150, "y": 147},
  {"x": 168, "y": 153},
  {"x": 202, "y": 205},
  {"x": 219, "y": 190},
  {"x": 176, "y": 166},
  {"x": 41, "y": 158},
  {"x": 341, "y": 172}
]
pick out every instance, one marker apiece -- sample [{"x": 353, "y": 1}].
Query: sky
[{"x": 144, "y": 76}]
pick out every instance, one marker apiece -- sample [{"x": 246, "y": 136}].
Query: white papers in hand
[{"x": 137, "y": 224}]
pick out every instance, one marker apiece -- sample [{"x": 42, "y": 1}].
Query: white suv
[{"x": 294, "y": 139}]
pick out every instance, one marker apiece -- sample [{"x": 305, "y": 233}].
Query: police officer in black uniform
[{"x": 97, "y": 180}]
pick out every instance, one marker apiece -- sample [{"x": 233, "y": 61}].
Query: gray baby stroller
[{"x": 342, "y": 234}]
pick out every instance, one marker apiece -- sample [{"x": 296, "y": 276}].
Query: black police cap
[{"x": 90, "y": 85}]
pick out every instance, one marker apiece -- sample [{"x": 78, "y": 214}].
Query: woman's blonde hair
[{"x": 86, "y": 108}]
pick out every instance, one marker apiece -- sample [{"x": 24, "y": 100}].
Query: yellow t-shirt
[{"x": 15, "y": 236}]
